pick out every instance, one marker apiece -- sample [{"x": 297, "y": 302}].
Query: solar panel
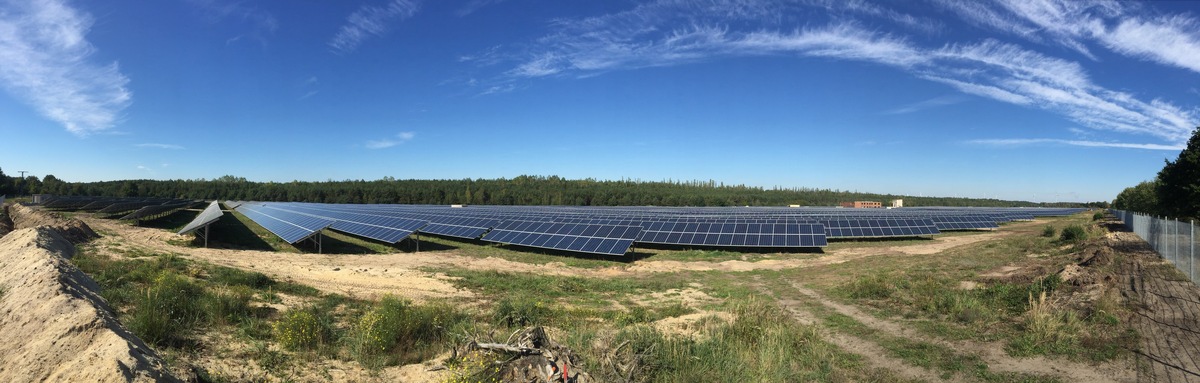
[
  {"x": 879, "y": 228},
  {"x": 377, "y": 227},
  {"x": 291, "y": 227},
  {"x": 132, "y": 205},
  {"x": 460, "y": 227},
  {"x": 156, "y": 210},
  {"x": 963, "y": 222},
  {"x": 734, "y": 233},
  {"x": 210, "y": 214},
  {"x": 577, "y": 237}
]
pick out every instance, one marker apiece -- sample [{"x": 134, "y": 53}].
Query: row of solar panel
[
  {"x": 393, "y": 223},
  {"x": 833, "y": 229},
  {"x": 581, "y": 237}
]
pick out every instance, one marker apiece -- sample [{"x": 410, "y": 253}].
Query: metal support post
[{"x": 1174, "y": 241}]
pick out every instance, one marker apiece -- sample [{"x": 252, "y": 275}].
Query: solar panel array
[
  {"x": 291, "y": 227},
  {"x": 149, "y": 212},
  {"x": 577, "y": 237},
  {"x": 613, "y": 230},
  {"x": 597, "y": 230},
  {"x": 735, "y": 233},
  {"x": 878, "y": 227},
  {"x": 210, "y": 214}
]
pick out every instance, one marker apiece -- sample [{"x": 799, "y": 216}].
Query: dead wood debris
[{"x": 533, "y": 358}]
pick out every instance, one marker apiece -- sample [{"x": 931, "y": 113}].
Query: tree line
[
  {"x": 1174, "y": 192},
  {"x": 522, "y": 190}
]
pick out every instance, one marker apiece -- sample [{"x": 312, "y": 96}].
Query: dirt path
[
  {"x": 873, "y": 354},
  {"x": 991, "y": 353},
  {"x": 1167, "y": 313}
]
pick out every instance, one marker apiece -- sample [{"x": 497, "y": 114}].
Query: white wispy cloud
[
  {"x": 1122, "y": 27},
  {"x": 671, "y": 32},
  {"x": 371, "y": 20},
  {"x": 475, "y": 5},
  {"x": 927, "y": 104},
  {"x": 262, "y": 24},
  {"x": 309, "y": 87},
  {"x": 1170, "y": 40},
  {"x": 45, "y": 59},
  {"x": 160, "y": 146},
  {"x": 398, "y": 139},
  {"x": 1012, "y": 142}
]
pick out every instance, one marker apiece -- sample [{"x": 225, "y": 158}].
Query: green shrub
[
  {"x": 1098, "y": 216},
  {"x": 167, "y": 309},
  {"x": 636, "y": 314},
  {"x": 395, "y": 331},
  {"x": 1074, "y": 234},
  {"x": 1049, "y": 231},
  {"x": 521, "y": 312},
  {"x": 303, "y": 329}
]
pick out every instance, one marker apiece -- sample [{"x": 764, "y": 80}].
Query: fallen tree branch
[{"x": 507, "y": 348}]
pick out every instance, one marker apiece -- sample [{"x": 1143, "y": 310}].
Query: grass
[
  {"x": 498, "y": 283},
  {"x": 480, "y": 249},
  {"x": 703, "y": 255},
  {"x": 396, "y": 332},
  {"x": 610, "y": 322},
  {"x": 761, "y": 344},
  {"x": 926, "y": 292},
  {"x": 169, "y": 301},
  {"x": 947, "y": 362}
]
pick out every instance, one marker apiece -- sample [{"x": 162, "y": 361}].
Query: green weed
[
  {"x": 167, "y": 310},
  {"x": 303, "y": 329},
  {"x": 396, "y": 332}
]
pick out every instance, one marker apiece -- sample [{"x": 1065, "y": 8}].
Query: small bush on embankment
[{"x": 1073, "y": 234}]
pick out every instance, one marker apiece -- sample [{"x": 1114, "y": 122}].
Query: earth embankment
[{"x": 55, "y": 325}]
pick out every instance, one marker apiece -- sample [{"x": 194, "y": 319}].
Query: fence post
[
  {"x": 1175, "y": 243},
  {"x": 1192, "y": 272}
]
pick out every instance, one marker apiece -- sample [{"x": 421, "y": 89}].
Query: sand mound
[
  {"x": 55, "y": 326},
  {"x": 73, "y": 230},
  {"x": 6, "y": 224}
]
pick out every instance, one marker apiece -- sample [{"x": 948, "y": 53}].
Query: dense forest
[
  {"x": 1174, "y": 193},
  {"x": 523, "y": 190}
]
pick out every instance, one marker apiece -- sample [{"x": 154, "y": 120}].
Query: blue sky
[{"x": 1032, "y": 100}]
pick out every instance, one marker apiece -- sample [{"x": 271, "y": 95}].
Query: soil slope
[{"x": 55, "y": 326}]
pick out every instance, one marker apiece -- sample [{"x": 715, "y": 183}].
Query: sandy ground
[
  {"x": 56, "y": 328},
  {"x": 1168, "y": 313}
]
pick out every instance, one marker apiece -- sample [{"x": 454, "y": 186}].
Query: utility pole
[{"x": 21, "y": 186}]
